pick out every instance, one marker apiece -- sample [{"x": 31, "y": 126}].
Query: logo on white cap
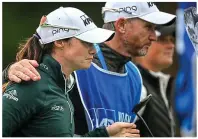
[
  {"x": 150, "y": 4},
  {"x": 87, "y": 20},
  {"x": 59, "y": 30}
]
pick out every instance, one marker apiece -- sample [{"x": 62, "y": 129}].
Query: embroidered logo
[
  {"x": 86, "y": 20},
  {"x": 57, "y": 108},
  {"x": 150, "y": 4},
  {"x": 12, "y": 94},
  {"x": 59, "y": 30},
  {"x": 128, "y": 9},
  {"x": 44, "y": 66}
]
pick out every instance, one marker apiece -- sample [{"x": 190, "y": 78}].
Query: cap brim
[
  {"x": 158, "y": 18},
  {"x": 96, "y": 35},
  {"x": 166, "y": 30}
]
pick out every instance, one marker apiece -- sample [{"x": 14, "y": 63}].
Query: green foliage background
[{"x": 20, "y": 20}]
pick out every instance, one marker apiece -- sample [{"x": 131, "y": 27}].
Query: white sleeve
[{"x": 142, "y": 96}]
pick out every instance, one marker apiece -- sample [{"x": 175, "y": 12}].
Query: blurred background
[{"x": 21, "y": 19}]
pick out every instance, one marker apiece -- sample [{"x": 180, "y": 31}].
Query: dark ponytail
[{"x": 33, "y": 50}]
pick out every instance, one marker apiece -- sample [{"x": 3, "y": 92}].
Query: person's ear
[
  {"x": 120, "y": 25},
  {"x": 59, "y": 44}
]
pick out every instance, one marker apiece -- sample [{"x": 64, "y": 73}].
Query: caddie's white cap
[
  {"x": 70, "y": 22},
  {"x": 147, "y": 11}
]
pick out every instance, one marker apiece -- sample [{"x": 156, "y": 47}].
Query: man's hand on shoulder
[{"x": 23, "y": 70}]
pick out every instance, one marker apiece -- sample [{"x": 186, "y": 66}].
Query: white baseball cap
[
  {"x": 147, "y": 11},
  {"x": 70, "y": 22}
]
